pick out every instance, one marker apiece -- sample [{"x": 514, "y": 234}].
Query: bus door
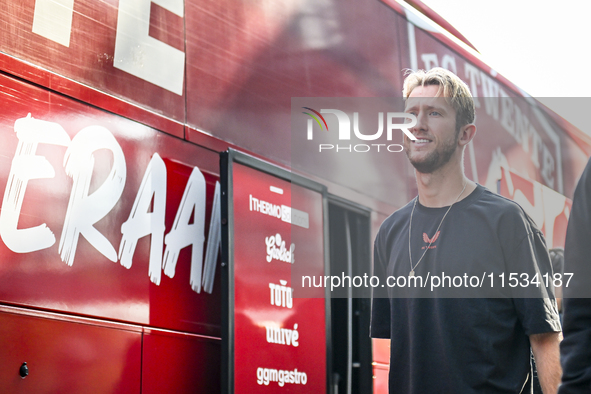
[{"x": 350, "y": 260}]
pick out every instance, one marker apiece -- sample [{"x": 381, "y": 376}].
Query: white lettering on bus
[
  {"x": 283, "y": 212},
  {"x": 283, "y": 336},
  {"x": 276, "y": 249},
  {"x": 184, "y": 234},
  {"x": 26, "y": 166},
  {"x": 53, "y": 20},
  {"x": 264, "y": 207},
  {"x": 281, "y": 295},
  {"x": 143, "y": 56},
  {"x": 85, "y": 209},
  {"x": 141, "y": 222},
  {"x": 136, "y": 52},
  {"x": 267, "y": 375}
]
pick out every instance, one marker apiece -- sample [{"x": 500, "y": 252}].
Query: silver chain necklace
[{"x": 412, "y": 269}]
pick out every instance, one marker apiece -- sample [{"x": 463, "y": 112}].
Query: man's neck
[{"x": 442, "y": 187}]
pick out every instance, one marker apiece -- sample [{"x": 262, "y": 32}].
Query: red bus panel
[
  {"x": 67, "y": 357},
  {"x": 103, "y": 216},
  {"x": 180, "y": 363}
]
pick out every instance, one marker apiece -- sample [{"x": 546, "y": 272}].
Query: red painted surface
[
  {"x": 67, "y": 357},
  {"x": 242, "y": 73},
  {"x": 255, "y": 235},
  {"x": 90, "y": 95},
  {"x": 381, "y": 350},
  {"x": 175, "y": 362},
  {"x": 93, "y": 285},
  {"x": 381, "y": 364},
  {"x": 380, "y": 380}
]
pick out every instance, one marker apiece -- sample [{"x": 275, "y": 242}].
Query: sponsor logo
[
  {"x": 430, "y": 241},
  {"x": 283, "y": 212},
  {"x": 267, "y": 375},
  {"x": 281, "y": 294},
  {"x": 276, "y": 249},
  {"x": 282, "y": 336}
]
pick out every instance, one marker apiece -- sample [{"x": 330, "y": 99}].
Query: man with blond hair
[{"x": 459, "y": 342}]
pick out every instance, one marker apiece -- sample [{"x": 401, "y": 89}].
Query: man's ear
[{"x": 467, "y": 133}]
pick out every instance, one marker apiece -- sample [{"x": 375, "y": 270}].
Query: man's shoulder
[
  {"x": 504, "y": 211},
  {"x": 495, "y": 204},
  {"x": 500, "y": 203}
]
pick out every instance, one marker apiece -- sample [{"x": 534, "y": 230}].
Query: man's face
[{"x": 437, "y": 138}]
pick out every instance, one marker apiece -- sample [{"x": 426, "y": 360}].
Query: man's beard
[{"x": 436, "y": 159}]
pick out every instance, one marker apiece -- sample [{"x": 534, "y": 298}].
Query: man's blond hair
[{"x": 451, "y": 87}]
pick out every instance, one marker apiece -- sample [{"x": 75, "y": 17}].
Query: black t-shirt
[
  {"x": 461, "y": 345},
  {"x": 575, "y": 349}
]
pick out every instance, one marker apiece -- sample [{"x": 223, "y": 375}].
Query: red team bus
[{"x": 154, "y": 207}]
